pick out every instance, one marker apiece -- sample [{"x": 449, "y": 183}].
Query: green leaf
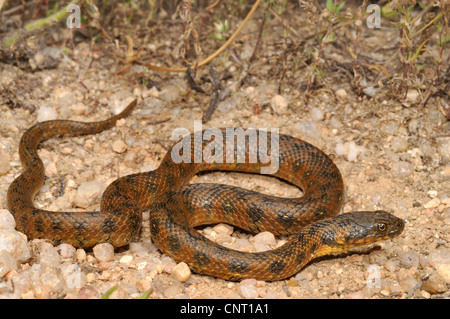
[
  {"x": 330, "y": 5},
  {"x": 146, "y": 294},
  {"x": 340, "y": 6},
  {"x": 109, "y": 292}
]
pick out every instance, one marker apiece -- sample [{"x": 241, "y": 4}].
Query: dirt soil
[{"x": 393, "y": 152}]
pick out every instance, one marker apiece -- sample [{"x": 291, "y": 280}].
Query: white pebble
[
  {"x": 265, "y": 238},
  {"x": 80, "y": 254},
  {"x": 104, "y": 252},
  {"x": 88, "y": 193},
  {"x": 223, "y": 239},
  {"x": 370, "y": 91},
  {"x": 340, "y": 149},
  {"x": 126, "y": 260},
  {"x": 46, "y": 113},
  {"x": 342, "y": 94},
  {"x": 412, "y": 96},
  {"x": 7, "y": 219},
  {"x": 78, "y": 109},
  {"x": 432, "y": 193},
  {"x": 7, "y": 263},
  {"x": 5, "y": 166},
  {"x": 51, "y": 283},
  {"x": 399, "y": 145},
  {"x": 14, "y": 242},
  {"x": 403, "y": 169},
  {"x": 317, "y": 114},
  {"x": 66, "y": 251},
  {"x": 443, "y": 270},
  {"x": 119, "y": 146},
  {"x": 353, "y": 151},
  {"x": 279, "y": 104},
  {"x": 49, "y": 257},
  {"x": 242, "y": 244},
  {"x": 247, "y": 289},
  {"x": 223, "y": 229},
  {"x": 181, "y": 272},
  {"x": 170, "y": 93},
  {"x": 73, "y": 276},
  {"x": 350, "y": 149},
  {"x": 435, "y": 202}
]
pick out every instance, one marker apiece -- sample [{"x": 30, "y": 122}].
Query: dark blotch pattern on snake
[{"x": 312, "y": 221}]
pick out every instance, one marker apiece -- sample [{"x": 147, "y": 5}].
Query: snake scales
[{"x": 312, "y": 221}]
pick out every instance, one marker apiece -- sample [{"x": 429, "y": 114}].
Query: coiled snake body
[{"x": 177, "y": 207}]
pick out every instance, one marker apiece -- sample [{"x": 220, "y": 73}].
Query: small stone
[
  {"x": 73, "y": 276},
  {"x": 88, "y": 193},
  {"x": 435, "y": 202},
  {"x": 51, "y": 284},
  {"x": 432, "y": 193},
  {"x": 435, "y": 284},
  {"x": 292, "y": 282},
  {"x": 46, "y": 113},
  {"x": 223, "y": 239},
  {"x": 119, "y": 146},
  {"x": 412, "y": 96},
  {"x": 407, "y": 284},
  {"x": 399, "y": 145},
  {"x": 7, "y": 219},
  {"x": 80, "y": 254},
  {"x": 403, "y": 169},
  {"x": 78, "y": 108},
  {"x": 439, "y": 257},
  {"x": 425, "y": 294},
  {"x": 5, "y": 166},
  {"x": 91, "y": 277},
  {"x": 126, "y": 260},
  {"x": 350, "y": 149},
  {"x": 170, "y": 93},
  {"x": 391, "y": 265},
  {"x": 21, "y": 283},
  {"x": 242, "y": 244},
  {"x": 303, "y": 278},
  {"x": 410, "y": 259},
  {"x": 444, "y": 271},
  {"x": 7, "y": 263},
  {"x": 66, "y": 251},
  {"x": 104, "y": 252},
  {"x": 317, "y": 114},
  {"x": 265, "y": 238},
  {"x": 413, "y": 125},
  {"x": 14, "y": 242},
  {"x": 49, "y": 257},
  {"x": 139, "y": 249},
  {"x": 279, "y": 104},
  {"x": 370, "y": 91},
  {"x": 181, "y": 272},
  {"x": 223, "y": 229},
  {"x": 341, "y": 94},
  {"x": 247, "y": 289}
]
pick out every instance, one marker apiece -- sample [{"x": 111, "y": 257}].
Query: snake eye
[{"x": 382, "y": 227}]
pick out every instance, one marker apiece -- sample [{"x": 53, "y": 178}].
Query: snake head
[
  {"x": 369, "y": 227},
  {"x": 353, "y": 229}
]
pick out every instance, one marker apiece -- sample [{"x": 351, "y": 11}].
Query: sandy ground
[{"x": 401, "y": 165}]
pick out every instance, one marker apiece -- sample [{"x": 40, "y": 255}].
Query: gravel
[{"x": 390, "y": 157}]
